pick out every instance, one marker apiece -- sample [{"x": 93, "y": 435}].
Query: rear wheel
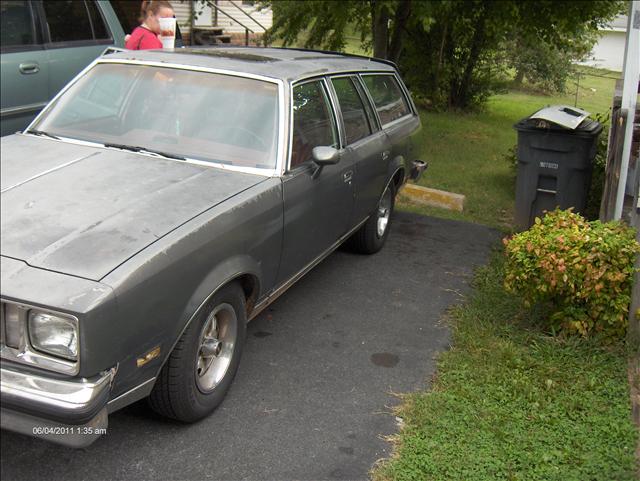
[
  {"x": 370, "y": 238},
  {"x": 202, "y": 366}
]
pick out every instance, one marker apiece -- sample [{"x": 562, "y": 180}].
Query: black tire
[
  {"x": 179, "y": 392},
  {"x": 367, "y": 239}
]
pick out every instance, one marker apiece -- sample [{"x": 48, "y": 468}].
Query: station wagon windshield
[{"x": 180, "y": 113}]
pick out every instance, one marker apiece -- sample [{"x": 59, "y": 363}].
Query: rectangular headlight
[{"x": 53, "y": 334}]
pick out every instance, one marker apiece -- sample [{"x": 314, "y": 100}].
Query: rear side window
[
  {"x": 16, "y": 24},
  {"x": 313, "y": 122},
  {"x": 73, "y": 20},
  {"x": 387, "y": 97},
  {"x": 100, "y": 31},
  {"x": 354, "y": 116}
]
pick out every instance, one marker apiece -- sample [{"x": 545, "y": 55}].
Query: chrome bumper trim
[
  {"x": 139, "y": 392},
  {"x": 75, "y": 436},
  {"x": 72, "y": 402}
]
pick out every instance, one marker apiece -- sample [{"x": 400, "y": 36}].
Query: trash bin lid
[
  {"x": 560, "y": 118},
  {"x": 569, "y": 117}
]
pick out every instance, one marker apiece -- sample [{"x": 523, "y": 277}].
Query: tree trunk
[
  {"x": 519, "y": 77},
  {"x": 436, "y": 75},
  {"x": 403, "y": 12},
  {"x": 380, "y": 29},
  {"x": 460, "y": 95}
]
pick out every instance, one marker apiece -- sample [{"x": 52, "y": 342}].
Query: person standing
[{"x": 145, "y": 36}]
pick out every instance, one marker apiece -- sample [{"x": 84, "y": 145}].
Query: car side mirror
[{"x": 325, "y": 155}]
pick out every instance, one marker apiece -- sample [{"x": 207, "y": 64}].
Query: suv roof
[{"x": 281, "y": 63}]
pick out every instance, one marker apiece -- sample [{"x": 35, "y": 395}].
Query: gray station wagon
[{"x": 163, "y": 199}]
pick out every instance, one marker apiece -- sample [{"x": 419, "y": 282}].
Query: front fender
[
  {"x": 224, "y": 273},
  {"x": 161, "y": 291}
]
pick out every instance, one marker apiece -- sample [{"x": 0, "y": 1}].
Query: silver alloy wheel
[
  {"x": 216, "y": 345},
  {"x": 384, "y": 213}
]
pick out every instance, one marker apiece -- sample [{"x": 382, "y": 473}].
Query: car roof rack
[
  {"x": 300, "y": 49},
  {"x": 344, "y": 54},
  {"x": 110, "y": 50}
]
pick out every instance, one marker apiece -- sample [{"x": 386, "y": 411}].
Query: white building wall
[
  {"x": 609, "y": 51},
  {"x": 183, "y": 12},
  {"x": 265, "y": 17}
]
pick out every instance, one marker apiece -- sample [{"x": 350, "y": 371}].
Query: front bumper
[{"x": 69, "y": 412}]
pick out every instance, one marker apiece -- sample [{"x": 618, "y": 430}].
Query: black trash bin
[{"x": 556, "y": 148}]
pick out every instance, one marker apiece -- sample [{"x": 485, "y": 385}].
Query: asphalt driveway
[{"x": 311, "y": 398}]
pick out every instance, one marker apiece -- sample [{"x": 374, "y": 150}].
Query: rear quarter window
[
  {"x": 74, "y": 20},
  {"x": 387, "y": 96},
  {"x": 17, "y": 28}
]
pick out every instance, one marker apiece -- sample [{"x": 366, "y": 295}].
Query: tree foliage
[{"x": 454, "y": 52}]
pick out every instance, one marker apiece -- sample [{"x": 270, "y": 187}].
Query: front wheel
[
  {"x": 370, "y": 238},
  {"x": 201, "y": 367}
]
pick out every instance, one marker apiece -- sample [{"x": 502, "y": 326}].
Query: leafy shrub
[{"x": 582, "y": 269}]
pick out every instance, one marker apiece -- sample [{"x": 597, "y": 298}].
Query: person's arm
[
  {"x": 131, "y": 41},
  {"x": 149, "y": 41}
]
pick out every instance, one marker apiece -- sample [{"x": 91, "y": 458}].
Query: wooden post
[
  {"x": 614, "y": 161},
  {"x": 634, "y": 309}
]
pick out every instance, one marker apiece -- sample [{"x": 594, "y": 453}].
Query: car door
[
  {"x": 76, "y": 33},
  {"x": 366, "y": 145},
  {"x": 318, "y": 202},
  {"x": 24, "y": 67}
]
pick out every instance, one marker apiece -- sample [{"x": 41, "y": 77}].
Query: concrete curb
[{"x": 434, "y": 197}]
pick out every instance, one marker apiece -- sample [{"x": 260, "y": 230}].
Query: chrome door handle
[
  {"x": 347, "y": 177},
  {"x": 29, "y": 68},
  {"x": 385, "y": 155}
]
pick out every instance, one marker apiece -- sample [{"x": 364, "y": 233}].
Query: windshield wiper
[
  {"x": 123, "y": 147},
  {"x": 168, "y": 155},
  {"x": 144, "y": 150},
  {"x": 42, "y": 133}
]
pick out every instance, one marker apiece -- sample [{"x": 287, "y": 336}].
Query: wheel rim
[
  {"x": 384, "y": 213},
  {"x": 215, "y": 347}
]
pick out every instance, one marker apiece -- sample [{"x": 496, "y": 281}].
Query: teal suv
[{"x": 43, "y": 45}]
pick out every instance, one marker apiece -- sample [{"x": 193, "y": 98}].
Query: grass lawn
[
  {"x": 466, "y": 152},
  {"x": 511, "y": 403}
]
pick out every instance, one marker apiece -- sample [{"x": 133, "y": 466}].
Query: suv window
[
  {"x": 354, "y": 117},
  {"x": 71, "y": 20},
  {"x": 387, "y": 96},
  {"x": 16, "y": 24},
  {"x": 100, "y": 31},
  {"x": 313, "y": 123}
]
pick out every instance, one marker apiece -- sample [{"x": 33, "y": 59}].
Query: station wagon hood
[{"x": 83, "y": 210}]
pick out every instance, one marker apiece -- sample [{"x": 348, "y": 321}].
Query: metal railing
[
  {"x": 248, "y": 15},
  {"x": 247, "y": 30}
]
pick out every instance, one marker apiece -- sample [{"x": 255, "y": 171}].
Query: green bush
[{"x": 582, "y": 269}]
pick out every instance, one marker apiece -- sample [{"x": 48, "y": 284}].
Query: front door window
[{"x": 313, "y": 122}]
